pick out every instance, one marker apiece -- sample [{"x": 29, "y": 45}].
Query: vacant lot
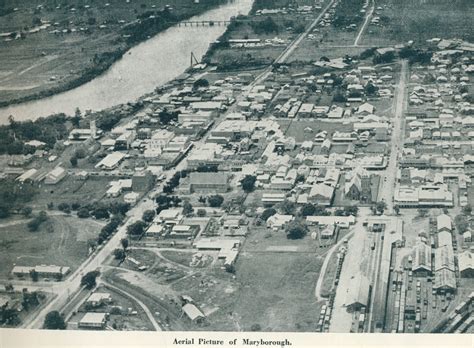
[
  {"x": 296, "y": 129},
  {"x": 72, "y": 190},
  {"x": 61, "y": 241},
  {"x": 420, "y": 20}
]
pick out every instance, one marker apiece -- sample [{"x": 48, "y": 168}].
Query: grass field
[
  {"x": 420, "y": 20},
  {"x": 61, "y": 241}
]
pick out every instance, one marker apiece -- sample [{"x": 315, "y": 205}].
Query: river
[{"x": 144, "y": 67}]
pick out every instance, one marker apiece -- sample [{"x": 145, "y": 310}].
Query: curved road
[{"x": 140, "y": 303}]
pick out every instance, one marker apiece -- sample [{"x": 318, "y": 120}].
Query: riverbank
[{"x": 96, "y": 51}]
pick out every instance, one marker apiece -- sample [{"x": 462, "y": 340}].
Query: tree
[
  {"x": 187, "y": 208},
  {"x": 63, "y": 207},
  {"x": 397, "y": 209},
  {"x": 201, "y": 83},
  {"x": 89, "y": 280},
  {"x": 248, "y": 183},
  {"x": 380, "y": 207},
  {"x": 83, "y": 213},
  {"x": 54, "y": 321},
  {"x": 422, "y": 212},
  {"x": 467, "y": 210},
  {"x": 215, "y": 201},
  {"x": 148, "y": 215},
  {"x": 267, "y": 213},
  {"x": 125, "y": 243},
  {"x": 461, "y": 223},
  {"x": 136, "y": 229},
  {"x": 34, "y": 224},
  {"x": 308, "y": 209},
  {"x": 370, "y": 89},
  {"x": 287, "y": 207},
  {"x": 119, "y": 254},
  {"x": 296, "y": 230},
  {"x": 73, "y": 161},
  {"x": 34, "y": 275},
  {"x": 26, "y": 211},
  {"x": 101, "y": 213},
  {"x": 201, "y": 212},
  {"x": 339, "y": 97}
]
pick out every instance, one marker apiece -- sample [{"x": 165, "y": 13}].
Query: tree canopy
[{"x": 54, "y": 321}]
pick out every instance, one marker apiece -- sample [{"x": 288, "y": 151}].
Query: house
[
  {"x": 326, "y": 147},
  {"x": 193, "y": 313},
  {"x": 278, "y": 221},
  {"x": 98, "y": 299},
  {"x": 208, "y": 182},
  {"x": 365, "y": 109},
  {"x": 467, "y": 236},
  {"x": 328, "y": 231},
  {"x": 358, "y": 293},
  {"x": 155, "y": 230},
  {"x": 93, "y": 321},
  {"x": 341, "y": 221},
  {"x": 131, "y": 198},
  {"x": 269, "y": 198},
  {"x": 172, "y": 216}
]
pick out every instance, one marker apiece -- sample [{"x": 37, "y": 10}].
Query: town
[{"x": 312, "y": 172}]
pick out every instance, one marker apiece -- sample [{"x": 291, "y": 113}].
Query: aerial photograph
[{"x": 278, "y": 166}]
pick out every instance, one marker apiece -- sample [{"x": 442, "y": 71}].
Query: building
[
  {"x": 341, "y": 221},
  {"x": 98, "y": 299},
  {"x": 421, "y": 260},
  {"x": 359, "y": 186},
  {"x": 321, "y": 194},
  {"x": 466, "y": 264},
  {"x": 278, "y": 221},
  {"x": 93, "y": 321},
  {"x": 445, "y": 281},
  {"x": 111, "y": 161},
  {"x": 193, "y": 313},
  {"x": 358, "y": 295},
  {"x": 269, "y": 199},
  {"x": 131, "y": 198},
  {"x": 208, "y": 182},
  {"x": 429, "y": 196},
  {"x": 143, "y": 181},
  {"x": 444, "y": 258},
  {"x": 444, "y": 223},
  {"x": 44, "y": 271},
  {"x": 55, "y": 176}
]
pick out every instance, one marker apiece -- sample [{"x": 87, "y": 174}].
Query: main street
[{"x": 387, "y": 188}]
